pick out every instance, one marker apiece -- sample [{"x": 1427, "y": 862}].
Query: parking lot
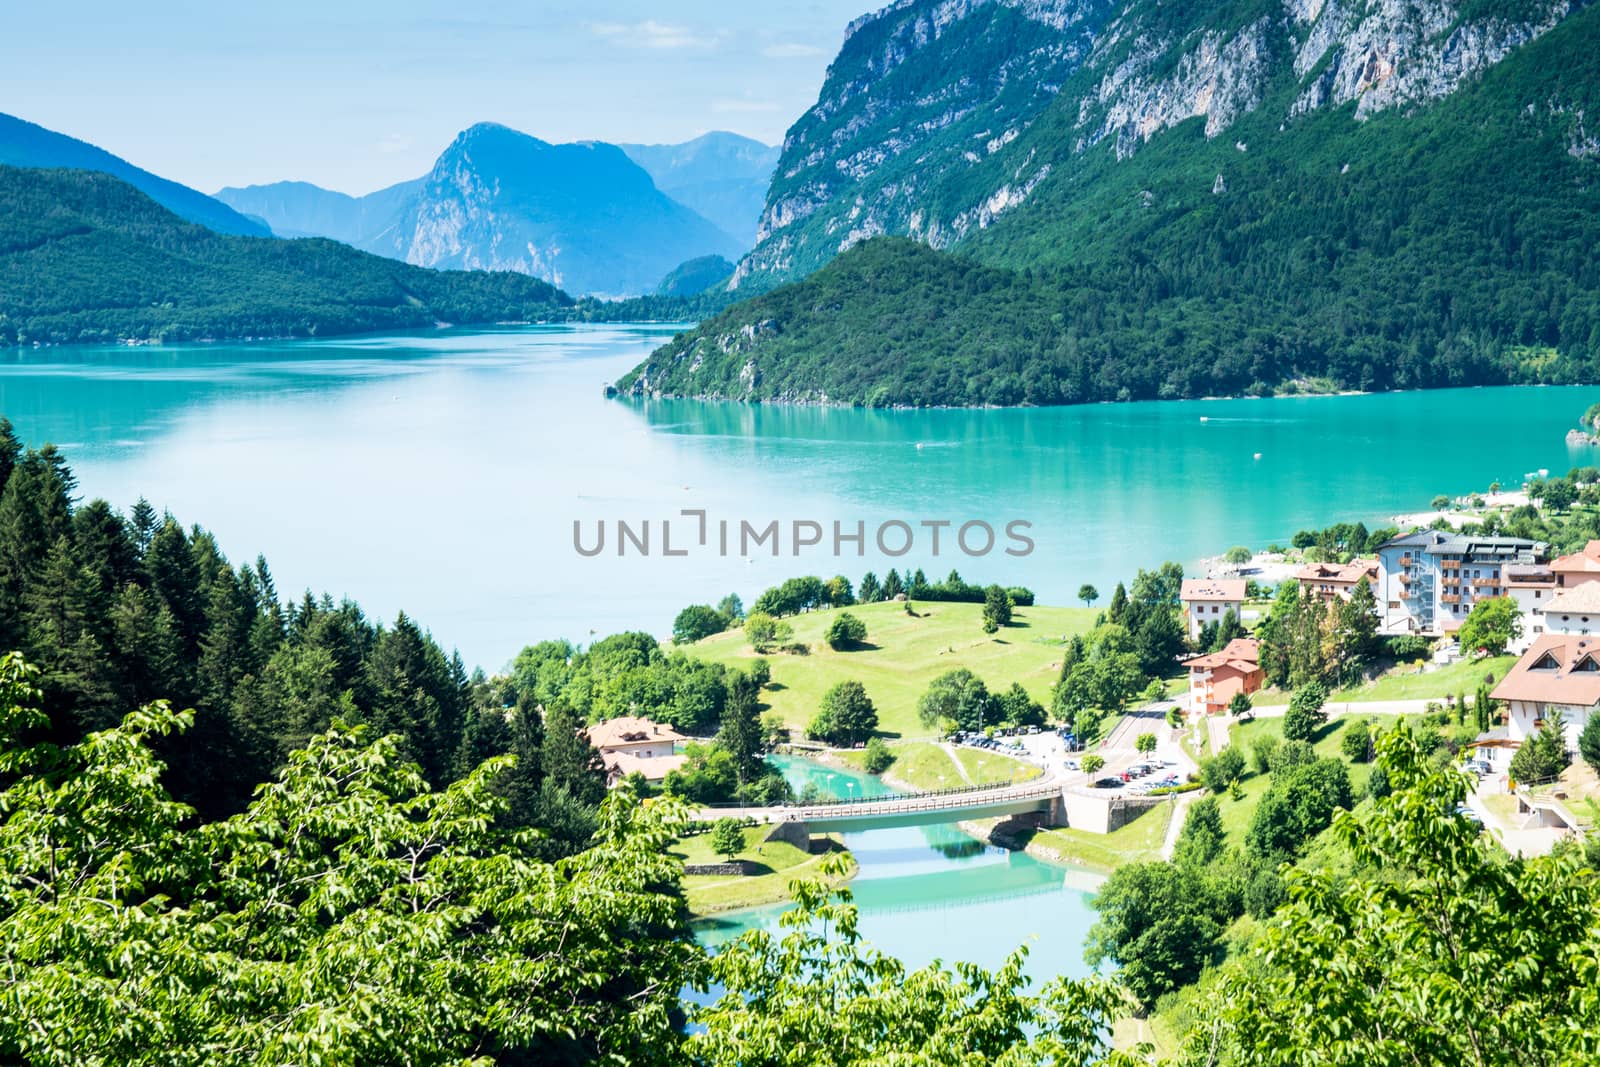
[{"x": 1056, "y": 750}]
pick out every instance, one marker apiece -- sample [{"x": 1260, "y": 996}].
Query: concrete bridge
[{"x": 908, "y": 809}]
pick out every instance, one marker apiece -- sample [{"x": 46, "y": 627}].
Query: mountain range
[
  {"x": 24, "y": 144},
  {"x": 585, "y": 216},
  {"x": 1115, "y": 199},
  {"x": 86, "y": 257},
  {"x": 721, "y": 175}
]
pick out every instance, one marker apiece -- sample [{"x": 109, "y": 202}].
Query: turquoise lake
[
  {"x": 927, "y": 892},
  {"x": 442, "y": 473}
]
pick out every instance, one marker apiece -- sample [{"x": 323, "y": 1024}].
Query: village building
[
  {"x": 1428, "y": 580},
  {"x": 1329, "y": 581},
  {"x": 1580, "y": 568},
  {"x": 1207, "y": 600},
  {"x": 1559, "y": 674},
  {"x": 1216, "y": 678},
  {"x": 1573, "y": 611},
  {"x": 1531, "y": 586},
  {"x": 629, "y": 744}
]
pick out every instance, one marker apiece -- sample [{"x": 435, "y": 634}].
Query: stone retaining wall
[{"x": 738, "y": 868}]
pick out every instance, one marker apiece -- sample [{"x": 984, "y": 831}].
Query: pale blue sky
[{"x": 358, "y": 94}]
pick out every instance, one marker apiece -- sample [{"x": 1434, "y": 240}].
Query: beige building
[
  {"x": 1330, "y": 580},
  {"x": 1580, "y": 568},
  {"x": 627, "y": 744},
  {"x": 1207, "y": 600},
  {"x": 1573, "y": 611},
  {"x": 1560, "y": 673},
  {"x": 1531, "y": 586}
]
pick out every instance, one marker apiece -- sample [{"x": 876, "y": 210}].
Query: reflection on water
[{"x": 932, "y": 892}]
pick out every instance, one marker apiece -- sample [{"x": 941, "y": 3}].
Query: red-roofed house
[
  {"x": 1560, "y": 673},
  {"x": 1207, "y": 600},
  {"x": 627, "y": 744},
  {"x": 1216, "y": 678},
  {"x": 1330, "y": 580},
  {"x": 1578, "y": 568}
]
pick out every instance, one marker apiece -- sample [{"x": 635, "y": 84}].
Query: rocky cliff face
[
  {"x": 922, "y": 99},
  {"x": 941, "y": 116}
]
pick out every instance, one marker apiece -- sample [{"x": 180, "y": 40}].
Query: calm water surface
[
  {"x": 932, "y": 891},
  {"x": 442, "y": 473}
]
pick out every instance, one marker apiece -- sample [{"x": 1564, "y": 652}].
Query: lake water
[
  {"x": 442, "y": 473},
  {"x": 926, "y": 892}
]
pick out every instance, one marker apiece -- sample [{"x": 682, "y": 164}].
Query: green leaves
[
  {"x": 816, "y": 994},
  {"x": 349, "y": 915},
  {"x": 1435, "y": 948}
]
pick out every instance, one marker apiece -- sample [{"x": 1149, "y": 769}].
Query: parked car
[
  {"x": 1479, "y": 767},
  {"x": 1469, "y": 815},
  {"x": 1108, "y": 783}
]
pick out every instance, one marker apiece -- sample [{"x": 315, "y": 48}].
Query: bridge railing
[
  {"x": 907, "y": 803},
  {"x": 1042, "y": 784}
]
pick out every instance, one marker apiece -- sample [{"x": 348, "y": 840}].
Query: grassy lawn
[
  {"x": 1236, "y": 814},
  {"x": 1138, "y": 841},
  {"x": 904, "y": 653},
  {"x": 925, "y": 765},
  {"x": 1406, "y": 682},
  {"x": 781, "y": 860},
  {"x": 1503, "y": 805},
  {"x": 988, "y": 768}
]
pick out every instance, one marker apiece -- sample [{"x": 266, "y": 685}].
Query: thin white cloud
[
  {"x": 394, "y": 143},
  {"x": 726, "y": 106},
  {"x": 792, "y": 50},
  {"x": 657, "y": 35}
]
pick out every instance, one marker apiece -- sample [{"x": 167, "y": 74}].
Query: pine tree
[
  {"x": 1229, "y": 629},
  {"x": 566, "y": 759},
  {"x": 225, "y": 652},
  {"x": 741, "y": 729},
  {"x": 892, "y": 586},
  {"x": 35, "y": 510},
  {"x": 1119, "y": 604},
  {"x": 143, "y": 523},
  {"x": 10, "y": 451},
  {"x": 151, "y": 649},
  {"x": 173, "y": 574},
  {"x": 1483, "y": 709}
]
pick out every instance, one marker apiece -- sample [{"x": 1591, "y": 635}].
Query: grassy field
[
  {"x": 1236, "y": 814},
  {"x": 782, "y": 863},
  {"x": 1138, "y": 841},
  {"x": 1406, "y": 682},
  {"x": 904, "y": 653},
  {"x": 927, "y": 765}
]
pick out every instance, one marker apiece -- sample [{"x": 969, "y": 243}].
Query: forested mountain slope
[
  {"x": 85, "y": 257},
  {"x": 26, "y": 144},
  {"x": 1391, "y": 237}
]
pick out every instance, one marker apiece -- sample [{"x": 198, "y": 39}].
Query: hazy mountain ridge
[
  {"x": 582, "y": 216},
  {"x": 85, "y": 257},
  {"x": 27, "y": 144},
  {"x": 720, "y": 175},
  {"x": 300, "y": 209}
]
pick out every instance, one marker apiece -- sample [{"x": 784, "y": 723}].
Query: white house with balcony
[
  {"x": 1560, "y": 673},
  {"x": 1428, "y": 580}
]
